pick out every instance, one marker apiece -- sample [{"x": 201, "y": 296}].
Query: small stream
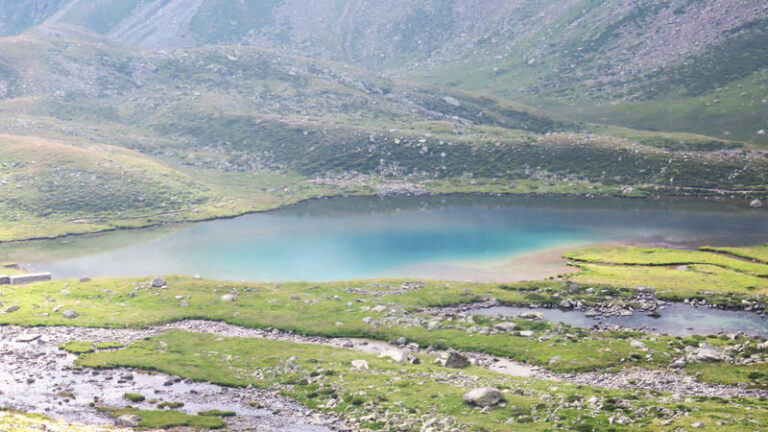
[
  {"x": 677, "y": 319},
  {"x": 36, "y": 376}
]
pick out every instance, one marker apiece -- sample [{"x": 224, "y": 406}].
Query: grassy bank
[{"x": 388, "y": 395}]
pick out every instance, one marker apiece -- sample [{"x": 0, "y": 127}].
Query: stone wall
[{"x": 26, "y": 278}]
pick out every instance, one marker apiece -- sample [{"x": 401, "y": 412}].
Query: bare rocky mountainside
[{"x": 685, "y": 65}]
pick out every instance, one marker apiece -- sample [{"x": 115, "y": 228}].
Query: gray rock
[
  {"x": 28, "y": 337},
  {"x": 453, "y": 359},
  {"x": 565, "y": 304},
  {"x": 484, "y": 397},
  {"x": 129, "y": 420},
  {"x": 158, "y": 283},
  {"x": 450, "y": 100},
  {"x": 13, "y": 308},
  {"x": 505, "y": 326},
  {"x": 70, "y": 314},
  {"x": 85, "y": 279},
  {"x": 396, "y": 355}
]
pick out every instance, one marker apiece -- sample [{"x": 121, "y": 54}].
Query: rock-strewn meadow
[{"x": 394, "y": 354}]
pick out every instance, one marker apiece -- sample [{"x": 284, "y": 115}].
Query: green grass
[
  {"x": 698, "y": 280},
  {"x": 321, "y": 374},
  {"x": 134, "y": 397},
  {"x": 755, "y": 375},
  {"x": 756, "y": 253},
  {"x": 217, "y": 413},
  {"x": 78, "y": 347},
  {"x": 669, "y": 257},
  {"x": 109, "y": 345},
  {"x": 318, "y": 312},
  {"x": 168, "y": 419}
]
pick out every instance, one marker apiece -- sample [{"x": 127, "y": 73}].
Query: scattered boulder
[
  {"x": 228, "y": 298},
  {"x": 636, "y": 344},
  {"x": 158, "y": 283},
  {"x": 565, "y": 304},
  {"x": 756, "y": 203},
  {"x": 453, "y": 359},
  {"x": 401, "y": 341},
  {"x": 70, "y": 314},
  {"x": 705, "y": 353},
  {"x": 12, "y": 308},
  {"x": 526, "y": 333},
  {"x": 450, "y": 100},
  {"x": 396, "y": 355},
  {"x": 28, "y": 337},
  {"x": 360, "y": 364},
  {"x": 532, "y": 316},
  {"x": 505, "y": 326},
  {"x": 129, "y": 420},
  {"x": 85, "y": 279},
  {"x": 484, "y": 397}
]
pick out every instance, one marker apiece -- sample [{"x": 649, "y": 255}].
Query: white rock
[
  {"x": 360, "y": 364},
  {"x": 484, "y": 396}
]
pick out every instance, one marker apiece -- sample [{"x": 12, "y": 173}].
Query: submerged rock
[{"x": 756, "y": 203}]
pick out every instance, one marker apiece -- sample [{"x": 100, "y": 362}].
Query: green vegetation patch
[
  {"x": 322, "y": 378},
  {"x": 756, "y": 253},
  {"x": 217, "y": 413},
  {"x": 134, "y": 397},
  {"x": 168, "y": 419},
  {"x": 670, "y": 257},
  {"x": 78, "y": 347}
]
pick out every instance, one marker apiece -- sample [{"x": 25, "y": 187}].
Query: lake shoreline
[{"x": 288, "y": 205}]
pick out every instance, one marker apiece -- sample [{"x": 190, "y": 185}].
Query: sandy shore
[{"x": 537, "y": 265}]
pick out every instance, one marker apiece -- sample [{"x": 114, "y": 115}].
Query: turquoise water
[{"x": 377, "y": 237}]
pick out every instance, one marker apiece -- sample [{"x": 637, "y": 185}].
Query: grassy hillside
[{"x": 207, "y": 132}]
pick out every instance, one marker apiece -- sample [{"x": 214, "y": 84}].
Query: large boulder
[
  {"x": 158, "y": 283},
  {"x": 505, "y": 326},
  {"x": 484, "y": 397},
  {"x": 705, "y": 353},
  {"x": 129, "y": 420},
  {"x": 228, "y": 298},
  {"x": 756, "y": 203},
  {"x": 70, "y": 314},
  {"x": 453, "y": 359}
]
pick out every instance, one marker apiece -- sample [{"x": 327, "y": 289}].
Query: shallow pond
[
  {"x": 678, "y": 319},
  {"x": 455, "y": 237}
]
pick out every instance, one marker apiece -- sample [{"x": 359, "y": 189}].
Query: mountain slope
[{"x": 224, "y": 130}]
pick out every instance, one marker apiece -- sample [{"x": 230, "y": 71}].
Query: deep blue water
[{"x": 375, "y": 237}]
